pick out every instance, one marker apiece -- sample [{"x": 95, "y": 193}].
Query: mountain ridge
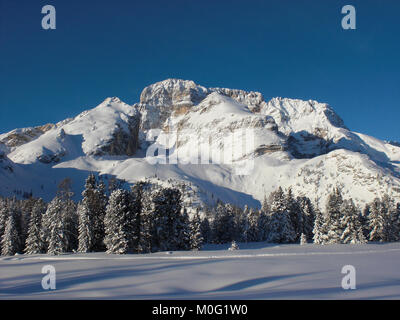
[{"x": 300, "y": 144}]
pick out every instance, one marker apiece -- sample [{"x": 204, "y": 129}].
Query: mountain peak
[{"x": 172, "y": 92}]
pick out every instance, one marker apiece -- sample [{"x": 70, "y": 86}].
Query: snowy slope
[
  {"x": 300, "y": 144},
  {"x": 90, "y": 133},
  {"x": 256, "y": 271}
]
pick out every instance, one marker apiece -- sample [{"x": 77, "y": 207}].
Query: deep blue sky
[{"x": 293, "y": 49}]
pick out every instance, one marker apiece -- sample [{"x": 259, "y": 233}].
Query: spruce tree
[
  {"x": 351, "y": 224},
  {"x": 364, "y": 216},
  {"x": 205, "y": 229},
  {"x": 56, "y": 238},
  {"x": 223, "y": 225},
  {"x": 10, "y": 241},
  {"x": 242, "y": 222},
  {"x": 140, "y": 216},
  {"x": 145, "y": 223},
  {"x": 308, "y": 216},
  {"x": 59, "y": 229},
  {"x": 85, "y": 231},
  {"x": 168, "y": 224},
  {"x": 182, "y": 230},
  {"x": 34, "y": 244},
  {"x": 196, "y": 237},
  {"x": 253, "y": 232},
  {"x": 116, "y": 235},
  {"x": 392, "y": 228},
  {"x": 263, "y": 227},
  {"x": 91, "y": 212},
  {"x": 70, "y": 224},
  {"x": 319, "y": 231},
  {"x": 280, "y": 227},
  {"x": 295, "y": 213},
  {"x": 333, "y": 215},
  {"x": 3, "y": 216},
  {"x": 395, "y": 222},
  {"x": 377, "y": 221},
  {"x": 26, "y": 207}
]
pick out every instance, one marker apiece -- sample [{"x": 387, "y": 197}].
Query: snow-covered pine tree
[
  {"x": 182, "y": 230},
  {"x": 146, "y": 217},
  {"x": 395, "y": 222},
  {"x": 3, "y": 215},
  {"x": 239, "y": 223},
  {"x": 102, "y": 200},
  {"x": 10, "y": 241},
  {"x": 319, "y": 230},
  {"x": 263, "y": 225},
  {"x": 350, "y": 223},
  {"x": 26, "y": 207},
  {"x": 364, "y": 216},
  {"x": 223, "y": 226},
  {"x": 265, "y": 204},
  {"x": 308, "y": 213},
  {"x": 33, "y": 243},
  {"x": 59, "y": 229},
  {"x": 333, "y": 215},
  {"x": 253, "y": 232},
  {"x": 206, "y": 229},
  {"x": 56, "y": 237},
  {"x": 280, "y": 228},
  {"x": 377, "y": 221},
  {"x": 85, "y": 231},
  {"x": 295, "y": 214},
  {"x": 196, "y": 237},
  {"x": 168, "y": 229},
  {"x": 70, "y": 224},
  {"x": 91, "y": 212},
  {"x": 392, "y": 228},
  {"x": 138, "y": 214},
  {"x": 116, "y": 237},
  {"x": 14, "y": 209},
  {"x": 243, "y": 224}
]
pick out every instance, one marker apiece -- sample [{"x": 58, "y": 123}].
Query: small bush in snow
[
  {"x": 234, "y": 246},
  {"x": 303, "y": 239}
]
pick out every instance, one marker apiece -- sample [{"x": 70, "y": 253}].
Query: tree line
[{"x": 151, "y": 218}]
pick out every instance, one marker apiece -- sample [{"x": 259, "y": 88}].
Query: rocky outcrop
[
  {"x": 123, "y": 142},
  {"x": 18, "y": 137},
  {"x": 160, "y": 100},
  {"x": 51, "y": 158},
  {"x": 176, "y": 97}
]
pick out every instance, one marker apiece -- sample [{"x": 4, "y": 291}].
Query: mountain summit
[{"x": 300, "y": 144}]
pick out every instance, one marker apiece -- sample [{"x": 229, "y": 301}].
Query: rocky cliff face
[{"x": 175, "y": 97}]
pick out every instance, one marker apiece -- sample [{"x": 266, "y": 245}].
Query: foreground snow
[{"x": 256, "y": 271}]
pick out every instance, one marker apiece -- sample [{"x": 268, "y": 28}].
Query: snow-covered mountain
[{"x": 300, "y": 144}]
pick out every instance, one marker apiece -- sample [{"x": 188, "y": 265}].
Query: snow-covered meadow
[{"x": 256, "y": 271}]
